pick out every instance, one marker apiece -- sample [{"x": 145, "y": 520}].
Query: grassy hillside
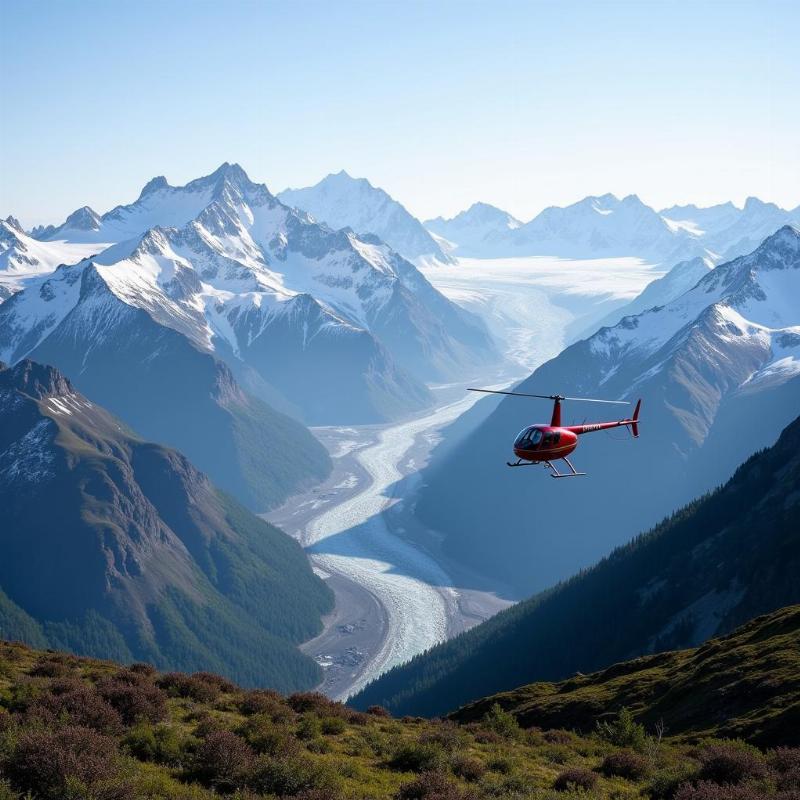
[
  {"x": 718, "y": 562},
  {"x": 79, "y": 729},
  {"x": 744, "y": 685}
]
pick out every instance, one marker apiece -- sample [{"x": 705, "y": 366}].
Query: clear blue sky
[{"x": 522, "y": 104}]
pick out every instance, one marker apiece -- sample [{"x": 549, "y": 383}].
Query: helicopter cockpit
[{"x": 528, "y": 439}]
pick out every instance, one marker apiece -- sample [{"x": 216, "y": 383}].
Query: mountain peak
[
  {"x": 225, "y": 174},
  {"x": 230, "y": 172},
  {"x": 343, "y": 177},
  {"x": 153, "y": 185},
  {"x": 13, "y": 222},
  {"x": 83, "y": 219},
  {"x": 36, "y": 380},
  {"x": 785, "y": 239}
]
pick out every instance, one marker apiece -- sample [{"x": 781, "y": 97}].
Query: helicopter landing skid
[
  {"x": 572, "y": 474},
  {"x": 521, "y": 463}
]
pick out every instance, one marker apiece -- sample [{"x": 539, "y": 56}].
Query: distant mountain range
[
  {"x": 341, "y": 201},
  {"x": 117, "y": 547},
  {"x": 709, "y": 567},
  {"x": 322, "y": 323},
  {"x": 718, "y": 370},
  {"x": 604, "y": 226},
  {"x": 22, "y": 257}
]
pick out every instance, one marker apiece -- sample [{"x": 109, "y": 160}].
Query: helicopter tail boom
[{"x": 633, "y": 423}]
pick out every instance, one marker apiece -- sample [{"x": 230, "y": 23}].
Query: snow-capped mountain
[
  {"x": 727, "y": 230},
  {"x": 23, "y": 257},
  {"x": 474, "y": 232},
  {"x": 605, "y": 226},
  {"x": 682, "y": 277},
  {"x": 718, "y": 371},
  {"x": 341, "y": 201},
  {"x": 337, "y": 326}
]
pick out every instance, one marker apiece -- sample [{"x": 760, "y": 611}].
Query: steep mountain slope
[
  {"x": 117, "y": 547},
  {"x": 718, "y": 370},
  {"x": 160, "y": 380},
  {"x": 474, "y": 232},
  {"x": 682, "y": 277},
  {"x": 341, "y": 201},
  {"x": 22, "y": 257},
  {"x": 337, "y": 326},
  {"x": 742, "y": 686},
  {"x": 713, "y": 565}
]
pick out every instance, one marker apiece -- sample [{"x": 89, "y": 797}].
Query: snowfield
[{"x": 529, "y": 302}]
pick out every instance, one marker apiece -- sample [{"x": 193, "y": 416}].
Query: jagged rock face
[
  {"x": 718, "y": 370},
  {"x": 226, "y": 266},
  {"x": 344, "y": 202},
  {"x": 104, "y": 532}
]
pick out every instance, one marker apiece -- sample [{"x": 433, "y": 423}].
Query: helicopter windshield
[{"x": 528, "y": 438}]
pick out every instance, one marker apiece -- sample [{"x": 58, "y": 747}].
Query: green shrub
[
  {"x": 264, "y": 736},
  {"x": 501, "y": 722},
  {"x": 417, "y": 757},
  {"x": 665, "y": 782},
  {"x": 162, "y": 744},
  {"x": 333, "y": 726},
  {"x": 467, "y": 767},
  {"x": 290, "y": 776},
  {"x": 309, "y": 727},
  {"x": 624, "y": 731}
]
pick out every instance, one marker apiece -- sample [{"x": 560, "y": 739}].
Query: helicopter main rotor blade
[
  {"x": 552, "y": 397},
  {"x": 514, "y": 394},
  {"x": 594, "y": 400}
]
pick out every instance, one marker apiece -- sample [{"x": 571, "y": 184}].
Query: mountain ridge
[
  {"x": 118, "y": 546},
  {"x": 342, "y": 201},
  {"x": 229, "y": 278}
]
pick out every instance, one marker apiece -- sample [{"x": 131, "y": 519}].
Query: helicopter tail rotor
[{"x": 635, "y": 419}]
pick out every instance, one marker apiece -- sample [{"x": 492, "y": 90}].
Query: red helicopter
[{"x": 544, "y": 444}]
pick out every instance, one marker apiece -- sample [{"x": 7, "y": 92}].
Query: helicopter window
[
  {"x": 523, "y": 437},
  {"x": 536, "y": 437}
]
